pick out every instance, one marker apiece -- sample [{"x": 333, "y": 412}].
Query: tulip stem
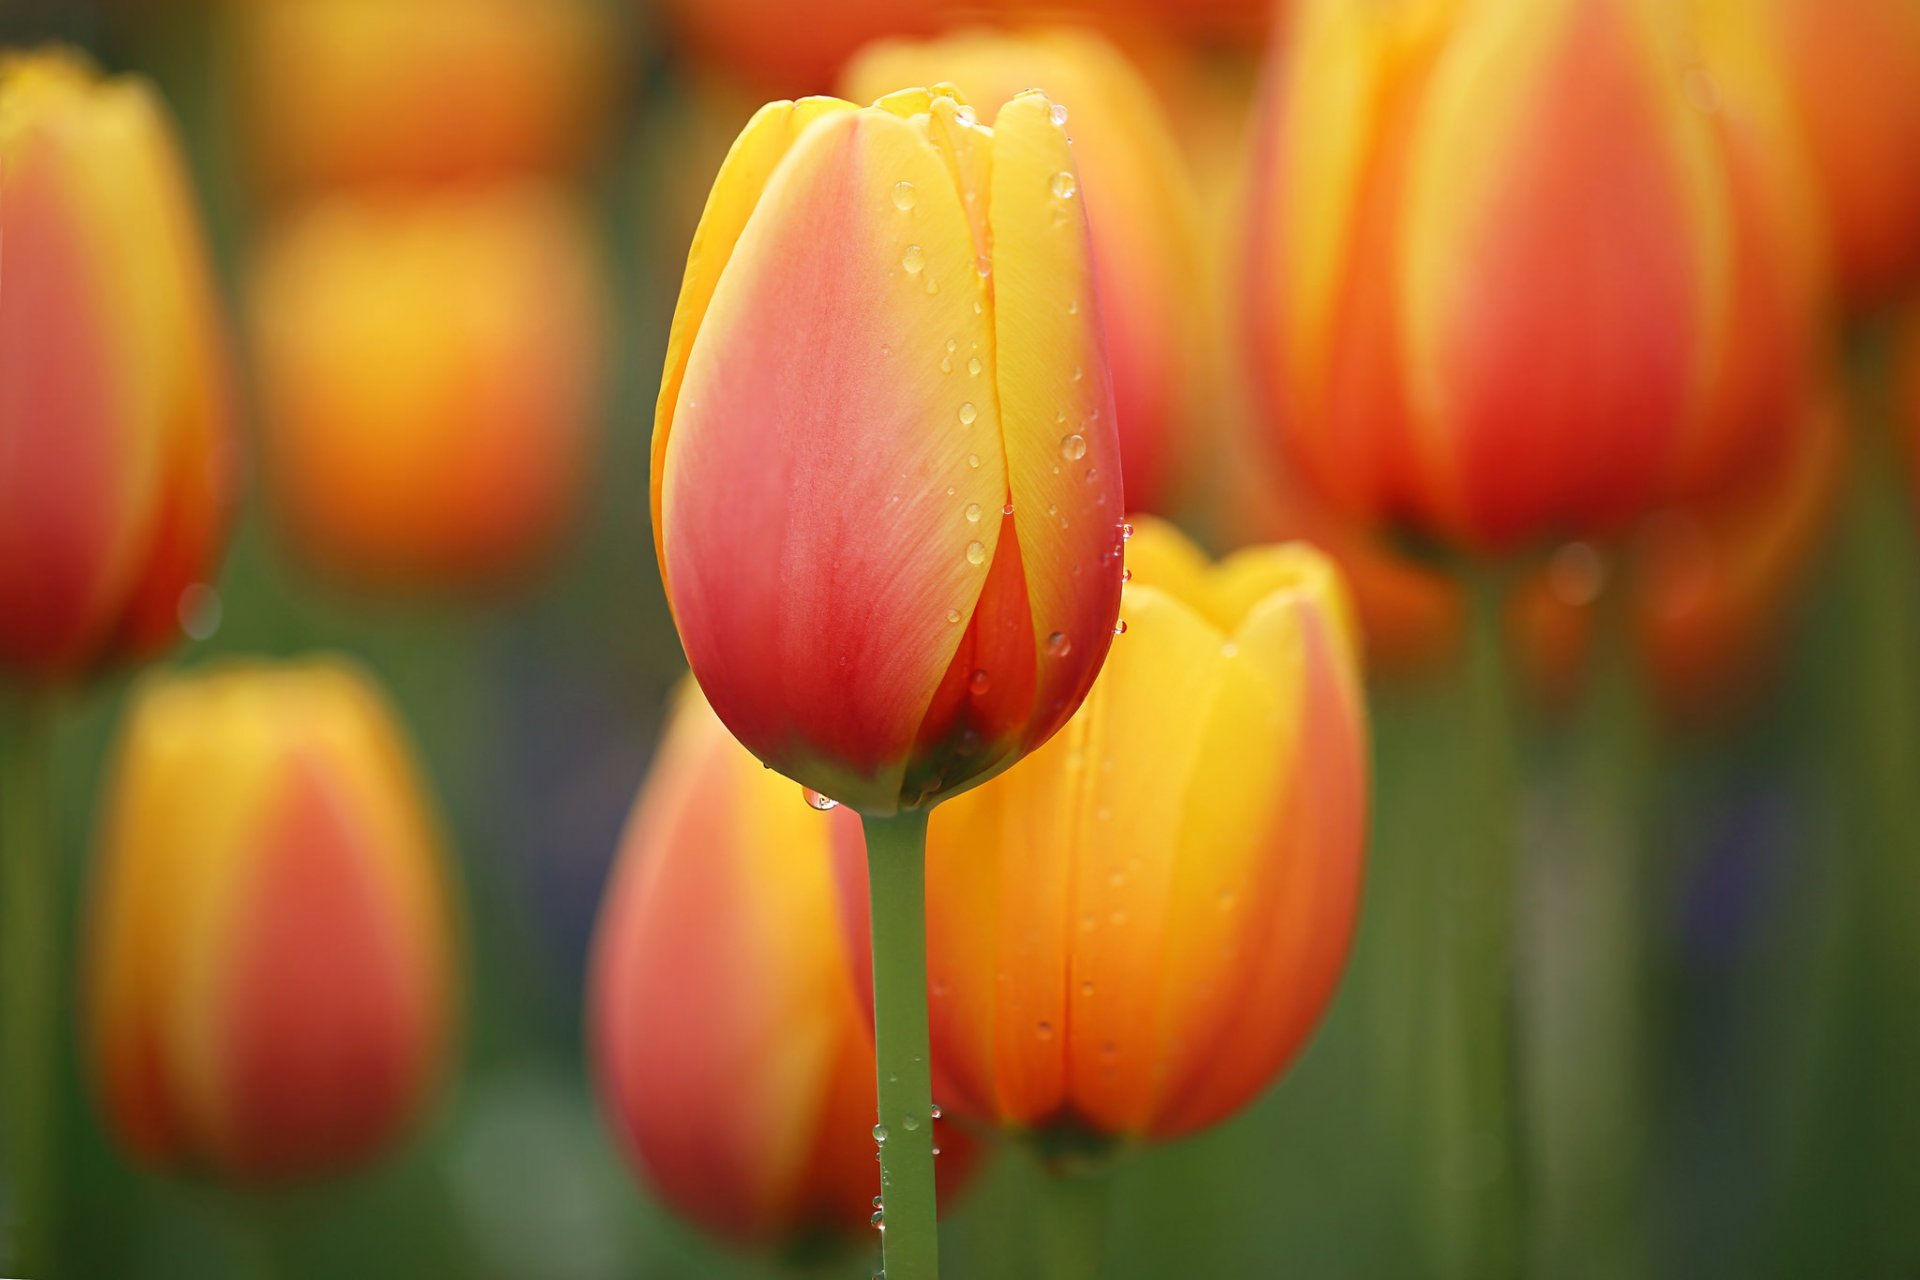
[
  {"x": 28, "y": 973},
  {"x": 1073, "y": 1241},
  {"x": 896, "y": 886},
  {"x": 1474, "y": 1178}
]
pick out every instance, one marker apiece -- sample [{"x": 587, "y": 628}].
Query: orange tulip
[
  {"x": 1854, "y": 68},
  {"x": 886, "y": 483},
  {"x": 734, "y": 1059},
  {"x": 429, "y": 380},
  {"x": 116, "y": 451},
  {"x": 365, "y": 91},
  {"x": 1522, "y": 270},
  {"x": 269, "y": 950},
  {"x": 1142, "y": 214},
  {"x": 775, "y": 55},
  {"x": 1133, "y": 932}
]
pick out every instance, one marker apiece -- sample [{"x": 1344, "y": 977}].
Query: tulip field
[{"x": 1110, "y": 640}]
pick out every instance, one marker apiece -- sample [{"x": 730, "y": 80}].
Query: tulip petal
[
  {"x": 1056, "y": 405},
  {"x": 823, "y": 465},
  {"x": 743, "y": 175}
]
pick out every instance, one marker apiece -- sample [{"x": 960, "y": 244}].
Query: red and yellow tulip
[
  {"x": 116, "y": 452},
  {"x": 1524, "y": 270},
  {"x": 886, "y": 480},
  {"x": 1143, "y": 216},
  {"x": 367, "y": 91},
  {"x": 734, "y": 1059},
  {"x": 1136, "y": 929},
  {"x": 429, "y": 379},
  {"x": 269, "y": 954}
]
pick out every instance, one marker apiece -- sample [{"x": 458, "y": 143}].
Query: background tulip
[
  {"x": 1135, "y": 930},
  {"x": 428, "y": 378},
  {"x": 116, "y": 456},
  {"x": 364, "y": 91},
  {"x": 1521, "y": 287},
  {"x": 269, "y": 950},
  {"x": 1142, "y": 215},
  {"x": 734, "y": 1060},
  {"x": 885, "y": 475}
]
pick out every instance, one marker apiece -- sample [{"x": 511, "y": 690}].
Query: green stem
[
  {"x": 1587, "y": 984},
  {"x": 28, "y": 972},
  {"x": 896, "y": 886},
  {"x": 1474, "y": 1178},
  {"x": 1074, "y": 1237}
]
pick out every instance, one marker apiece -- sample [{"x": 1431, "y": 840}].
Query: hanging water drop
[
  {"x": 880, "y": 1133},
  {"x": 934, "y": 1111},
  {"x": 815, "y": 800},
  {"x": 1126, "y": 532},
  {"x": 1120, "y": 627},
  {"x": 1073, "y": 447},
  {"x": 1058, "y": 115}
]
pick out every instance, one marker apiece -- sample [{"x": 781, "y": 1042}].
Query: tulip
[
  {"x": 269, "y": 951},
  {"x": 1521, "y": 271},
  {"x": 1131, "y": 934},
  {"x": 885, "y": 474},
  {"x": 1143, "y": 217},
  {"x": 428, "y": 370},
  {"x": 1854, "y": 68},
  {"x": 116, "y": 455},
  {"x": 733, "y": 1058},
  {"x": 366, "y": 91}
]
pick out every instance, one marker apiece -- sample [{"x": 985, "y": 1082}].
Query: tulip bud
[
  {"x": 269, "y": 949},
  {"x": 886, "y": 482},
  {"x": 1511, "y": 261},
  {"x": 116, "y": 453},
  {"x": 367, "y": 91},
  {"x": 1143, "y": 217},
  {"x": 734, "y": 1060},
  {"x": 1854, "y": 71},
  {"x": 429, "y": 378},
  {"x": 1136, "y": 930}
]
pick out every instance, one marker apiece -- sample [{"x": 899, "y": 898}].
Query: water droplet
[
  {"x": 879, "y": 1133},
  {"x": 973, "y": 513},
  {"x": 1065, "y": 184},
  {"x": 964, "y": 117},
  {"x": 951, "y": 491},
  {"x": 1126, "y": 532},
  {"x": 936, "y": 1151},
  {"x": 976, "y": 552},
  {"x": 946, "y": 364},
  {"x": 973, "y": 366},
  {"x": 817, "y": 801},
  {"x": 1007, "y": 510},
  {"x": 909, "y": 1123},
  {"x": 1126, "y": 575},
  {"x": 978, "y": 307},
  {"x": 968, "y": 413},
  {"x": 903, "y": 196},
  {"x": 878, "y": 1214},
  {"x": 913, "y": 260},
  {"x": 876, "y": 1202},
  {"x": 1073, "y": 447},
  {"x": 1058, "y": 115},
  {"x": 979, "y": 682},
  {"x": 1120, "y": 627},
  {"x": 934, "y": 1111},
  {"x": 973, "y": 460},
  {"x": 1058, "y": 646},
  {"x": 1044, "y": 1030},
  {"x": 953, "y": 615}
]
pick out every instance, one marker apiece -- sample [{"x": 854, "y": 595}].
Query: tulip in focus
[
  {"x": 1521, "y": 270},
  {"x": 1854, "y": 70},
  {"x": 734, "y": 1060},
  {"x": 1143, "y": 217},
  {"x": 886, "y": 480},
  {"x": 269, "y": 954},
  {"x": 1132, "y": 933},
  {"x": 368, "y": 91},
  {"x": 116, "y": 437},
  {"x": 428, "y": 371}
]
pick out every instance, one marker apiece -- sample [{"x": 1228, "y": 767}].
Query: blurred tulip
[
  {"x": 1135, "y": 931},
  {"x": 886, "y": 483},
  {"x": 1854, "y": 67},
  {"x": 359, "y": 91},
  {"x": 1520, "y": 270},
  {"x": 1143, "y": 217},
  {"x": 116, "y": 452},
  {"x": 774, "y": 54},
  {"x": 428, "y": 371},
  {"x": 734, "y": 1060},
  {"x": 1709, "y": 582},
  {"x": 269, "y": 951}
]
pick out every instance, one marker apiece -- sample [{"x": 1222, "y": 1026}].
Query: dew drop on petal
[
  {"x": 1065, "y": 184},
  {"x": 815, "y": 800},
  {"x": 1126, "y": 575},
  {"x": 968, "y": 413},
  {"x": 979, "y": 682},
  {"x": 879, "y": 1133},
  {"x": 973, "y": 366},
  {"x": 964, "y": 117},
  {"x": 934, "y": 1111},
  {"x": 1058, "y": 115},
  {"x": 973, "y": 460},
  {"x": 903, "y": 196},
  {"x": 878, "y": 1214},
  {"x": 1007, "y": 510},
  {"x": 1126, "y": 532},
  {"x": 953, "y": 615},
  {"x": 973, "y": 513},
  {"x": 909, "y": 1123},
  {"x": 1073, "y": 447},
  {"x": 1058, "y": 646},
  {"x": 976, "y": 552},
  {"x": 913, "y": 260}
]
